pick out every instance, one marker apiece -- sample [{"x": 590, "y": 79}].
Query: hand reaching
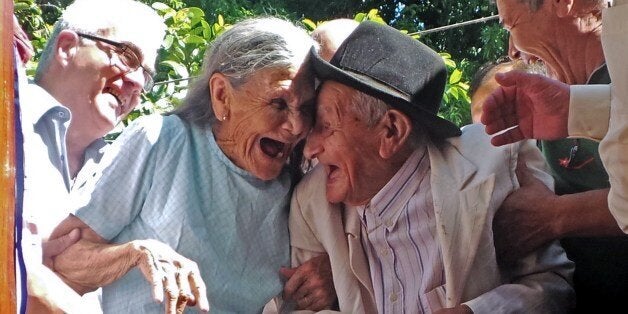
[
  {"x": 174, "y": 278},
  {"x": 527, "y": 106},
  {"x": 525, "y": 220}
]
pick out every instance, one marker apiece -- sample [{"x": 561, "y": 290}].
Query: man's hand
[
  {"x": 172, "y": 276},
  {"x": 525, "y": 220},
  {"x": 311, "y": 284},
  {"x": 527, "y": 106}
]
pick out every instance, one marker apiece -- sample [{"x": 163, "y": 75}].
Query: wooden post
[{"x": 7, "y": 160}]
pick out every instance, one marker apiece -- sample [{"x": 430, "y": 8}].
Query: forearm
[
  {"x": 585, "y": 214},
  {"x": 87, "y": 265}
]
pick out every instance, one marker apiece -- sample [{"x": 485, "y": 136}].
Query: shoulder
[
  {"x": 474, "y": 147},
  {"x": 154, "y": 128},
  {"x": 309, "y": 198}
]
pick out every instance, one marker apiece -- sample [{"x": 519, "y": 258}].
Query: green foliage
[
  {"x": 186, "y": 39},
  {"x": 193, "y": 24}
]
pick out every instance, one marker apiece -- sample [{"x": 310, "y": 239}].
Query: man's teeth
[{"x": 280, "y": 154}]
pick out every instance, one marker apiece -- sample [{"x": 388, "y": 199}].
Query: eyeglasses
[{"x": 130, "y": 55}]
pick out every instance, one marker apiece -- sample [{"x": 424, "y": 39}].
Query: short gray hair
[
  {"x": 246, "y": 48},
  {"x": 128, "y": 20},
  {"x": 371, "y": 110}
]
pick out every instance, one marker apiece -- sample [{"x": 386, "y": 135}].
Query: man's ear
[
  {"x": 220, "y": 91},
  {"x": 396, "y": 128},
  {"x": 66, "y": 46},
  {"x": 563, "y": 8}
]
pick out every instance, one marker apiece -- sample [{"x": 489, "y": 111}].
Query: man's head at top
[
  {"x": 100, "y": 56},
  {"x": 565, "y": 35},
  {"x": 377, "y": 103},
  {"x": 331, "y": 34}
]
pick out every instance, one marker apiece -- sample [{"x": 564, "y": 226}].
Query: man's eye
[{"x": 279, "y": 103}]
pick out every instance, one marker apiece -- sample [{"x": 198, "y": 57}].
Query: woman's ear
[
  {"x": 66, "y": 46},
  {"x": 220, "y": 91},
  {"x": 396, "y": 128},
  {"x": 563, "y": 8}
]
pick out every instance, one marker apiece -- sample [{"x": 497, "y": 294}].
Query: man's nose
[
  {"x": 513, "y": 52},
  {"x": 135, "y": 78},
  {"x": 313, "y": 145}
]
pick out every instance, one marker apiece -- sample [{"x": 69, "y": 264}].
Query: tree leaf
[
  {"x": 310, "y": 25},
  {"x": 455, "y": 77},
  {"x": 177, "y": 67}
]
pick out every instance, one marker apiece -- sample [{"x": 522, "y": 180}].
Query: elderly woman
[{"x": 209, "y": 181}]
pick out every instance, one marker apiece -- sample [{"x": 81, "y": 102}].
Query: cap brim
[{"x": 434, "y": 124}]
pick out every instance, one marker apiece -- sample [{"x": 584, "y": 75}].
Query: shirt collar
[{"x": 37, "y": 103}]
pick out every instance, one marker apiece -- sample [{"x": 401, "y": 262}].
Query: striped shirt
[{"x": 400, "y": 240}]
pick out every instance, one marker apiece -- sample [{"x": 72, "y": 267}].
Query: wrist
[{"x": 559, "y": 227}]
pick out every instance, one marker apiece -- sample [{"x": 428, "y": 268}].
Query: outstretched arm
[
  {"x": 526, "y": 106},
  {"x": 92, "y": 262}
]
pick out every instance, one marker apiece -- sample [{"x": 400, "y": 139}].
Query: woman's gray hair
[
  {"x": 243, "y": 50},
  {"x": 371, "y": 110},
  {"x": 127, "y": 20}
]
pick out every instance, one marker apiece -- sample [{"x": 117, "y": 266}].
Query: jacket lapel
[
  {"x": 357, "y": 257},
  {"x": 460, "y": 203}
]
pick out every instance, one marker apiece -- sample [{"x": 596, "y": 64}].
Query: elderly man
[
  {"x": 401, "y": 202},
  {"x": 566, "y": 36},
  {"x": 97, "y": 61}
]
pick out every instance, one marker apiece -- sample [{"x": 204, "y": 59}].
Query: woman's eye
[{"x": 279, "y": 103}]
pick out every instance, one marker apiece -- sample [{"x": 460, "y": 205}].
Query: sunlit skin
[
  {"x": 347, "y": 148},
  {"x": 264, "y": 118},
  {"x": 565, "y": 38},
  {"x": 89, "y": 79},
  {"x": 100, "y": 80}
]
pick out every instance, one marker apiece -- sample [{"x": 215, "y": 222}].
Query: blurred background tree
[{"x": 192, "y": 24}]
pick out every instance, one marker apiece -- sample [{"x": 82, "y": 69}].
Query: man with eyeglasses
[{"x": 98, "y": 60}]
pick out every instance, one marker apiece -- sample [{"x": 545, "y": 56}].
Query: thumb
[
  {"x": 512, "y": 78},
  {"x": 523, "y": 173},
  {"x": 287, "y": 272},
  {"x": 56, "y": 246}
]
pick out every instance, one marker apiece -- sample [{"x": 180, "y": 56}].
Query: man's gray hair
[
  {"x": 126, "y": 20},
  {"x": 371, "y": 110},
  {"x": 243, "y": 50}
]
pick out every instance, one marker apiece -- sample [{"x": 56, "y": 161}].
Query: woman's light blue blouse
[{"x": 168, "y": 180}]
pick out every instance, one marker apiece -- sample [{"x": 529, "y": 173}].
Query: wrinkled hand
[
  {"x": 311, "y": 284},
  {"x": 54, "y": 247},
  {"x": 171, "y": 276},
  {"x": 525, "y": 220},
  {"x": 530, "y": 106},
  {"x": 460, "y": 309}
]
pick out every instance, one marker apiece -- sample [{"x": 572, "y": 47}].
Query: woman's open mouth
[{"x": 273, "y": 148}]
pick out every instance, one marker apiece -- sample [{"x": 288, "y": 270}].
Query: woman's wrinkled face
[{"x": 265, "y": 118}]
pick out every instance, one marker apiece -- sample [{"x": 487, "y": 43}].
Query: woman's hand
[{"x": 174, "y": 278}]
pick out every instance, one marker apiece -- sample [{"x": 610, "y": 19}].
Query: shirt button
[
  {"x": 389, "y": 223},
  {"x": 393, "y": 297},
  {"x": 384, "y": 252}
]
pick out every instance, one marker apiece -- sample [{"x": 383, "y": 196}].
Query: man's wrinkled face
[
  {"x": 268, "y": 116},
  {"x": 102, "y": 89},
  {"x": 529, "y": 30},
  {"x": 344, "y": 145}
]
